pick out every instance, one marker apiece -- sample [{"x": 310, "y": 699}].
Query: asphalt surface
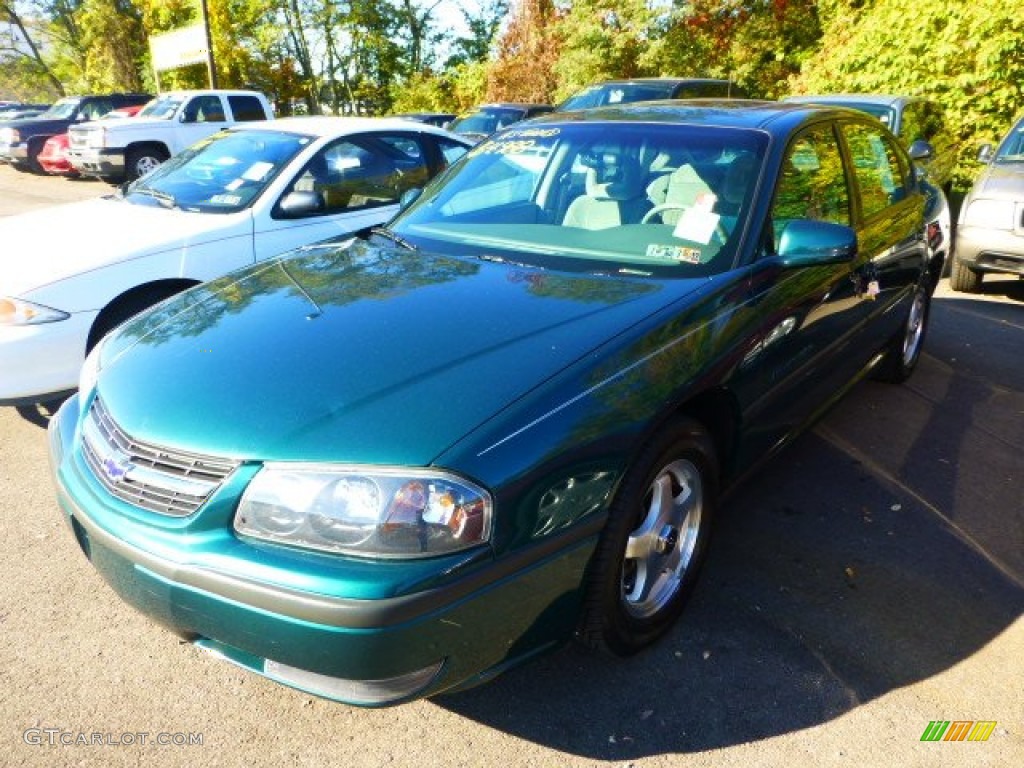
[{"x": 866, "y": 582}]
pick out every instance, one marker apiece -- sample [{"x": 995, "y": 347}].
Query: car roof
[
  {"x": 878, "y": 99},
  {"x": 658, "y": 80},
  {"x": 734, "y": 113},
  {"x": 325, "y": 125}
]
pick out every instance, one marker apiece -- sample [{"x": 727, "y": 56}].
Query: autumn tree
[{"x": 527, "y": 54}]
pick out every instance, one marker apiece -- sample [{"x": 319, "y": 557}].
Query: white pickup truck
[{"x": 132, "y": 146}]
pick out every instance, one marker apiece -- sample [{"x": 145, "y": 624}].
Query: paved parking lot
[{"x": 866, "y": 582}]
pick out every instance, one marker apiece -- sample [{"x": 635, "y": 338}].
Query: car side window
[
  {"x": 451, "y": 150},
  {"x": 204, "y": 109},
  {"x": 363, "y": 172},
  {"x": 812, "y": 183},
  {"x": 94, "y": 109},
  {"x": 881, "y": 176},
  {"x": 246, "y": 108}
]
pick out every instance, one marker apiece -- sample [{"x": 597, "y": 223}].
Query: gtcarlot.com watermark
[{"x": 61, "y": 737}]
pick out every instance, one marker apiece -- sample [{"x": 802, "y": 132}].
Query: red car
[{"x": 53, "y": 157}]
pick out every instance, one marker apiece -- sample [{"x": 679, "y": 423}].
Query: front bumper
[
  {"x": 428, "y": 632},
  {"x": 39, "y": 361},
  {"x": 98, "y": 162},
  {"x": 991, "y": 250}
]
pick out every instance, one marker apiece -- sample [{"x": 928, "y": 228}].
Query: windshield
[
  {"x": 1011, "y": 150},
  {"x": 62, "y": 110},
  {"x": 638, "y": 198},
  {"x": 221, "y": 174},
  {"x": 487, "y": 121},
  {"x": 616, "y": 93},
  {"x": 161, "y": 108}
]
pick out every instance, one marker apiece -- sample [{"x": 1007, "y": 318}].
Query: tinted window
[
  {"x": 94, "y": 109},
  {"x": 246, "y": 108},
  {"x": 451, "y": 150},
  {"x": 812, "y": 182},
  {"x": 364, "y": 172},
  {"x": 881, "y": 177},
  {"x": 205, "y": 109}
]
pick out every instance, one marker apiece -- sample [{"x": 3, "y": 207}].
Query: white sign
[{"x": 179, "y": 48}]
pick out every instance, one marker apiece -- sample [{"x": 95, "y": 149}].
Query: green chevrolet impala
[{"x": 395, "y": 466}]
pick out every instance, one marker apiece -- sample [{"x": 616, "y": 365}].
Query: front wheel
[
  {"x": 650, "y": 553},
  {"x": 139, "y": 162}
]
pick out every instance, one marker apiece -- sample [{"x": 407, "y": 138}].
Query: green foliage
[{"x": 967, "y": 56}]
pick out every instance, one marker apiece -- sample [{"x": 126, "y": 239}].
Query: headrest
[
  {"x": 739, "y": 177},
  {"x": 614, "y": 178}
]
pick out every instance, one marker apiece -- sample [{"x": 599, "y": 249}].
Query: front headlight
[
  {"x": 19, "y": 312},
  {"x": 990, "y": 214},
  {"x": 370, "y": 511}
]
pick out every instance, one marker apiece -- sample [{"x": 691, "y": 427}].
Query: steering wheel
[{"x": 720, "y": 231}]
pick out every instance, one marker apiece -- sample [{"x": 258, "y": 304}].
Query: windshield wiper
[
  {"x": 165, "y": 199},
  {"x": 387, "y": 234}
]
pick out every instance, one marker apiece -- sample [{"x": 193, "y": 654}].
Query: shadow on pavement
[
  {"x": 879, "y": 550},
  {"x": 39, "y": 413}
]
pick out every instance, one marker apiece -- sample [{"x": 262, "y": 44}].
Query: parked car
[
  {"x": 396, "y": 466},
  {"x": 915, "y": 120},
  {"x": 130, "y": 148},
  {"x": 488, "y": 118},
  {"x": 990, "y": 231},
  {"x": 440, "y": 119},
  {"x": 651, "y": 89},
  {"x": 232, "y": 199},
  {"x": 53, "y": 157},
  {"x": 22, "y": 140}
]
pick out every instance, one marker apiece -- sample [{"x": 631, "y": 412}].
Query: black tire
[
  {"x": 140, "y": 161},
  {"x": 964, "y": 279},
  {"x": 631, "y": 601},
  {"x": 905, "y": 347}
]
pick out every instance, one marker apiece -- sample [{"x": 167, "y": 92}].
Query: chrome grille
[{"x": 161, "y": 480}]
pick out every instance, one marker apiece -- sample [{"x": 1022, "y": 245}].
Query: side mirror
[
  {"x": 297, "y": 204},
  {"x": 409, "y": 197},
  {"x": 805, "y": 243},
  {"x": 985, "y": 153},
  {"x": 921, "y": 151}
]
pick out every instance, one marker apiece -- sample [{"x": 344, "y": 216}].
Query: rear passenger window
[
  {"x": 881, "y": 176},
  {"x": 246, "y": 108}
]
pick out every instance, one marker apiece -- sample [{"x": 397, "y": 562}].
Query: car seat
[{"x": 614, "y": 195}]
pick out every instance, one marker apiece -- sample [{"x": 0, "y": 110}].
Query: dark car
[
  {"x": 651, "y": 89},
  {"x": 22, "y": 140},
  {"x": 440, "y": 119},
  {"x": 990, "y": 232},
  {"x": 488, "y": 118},
  {"x": 397, "y": 466},
  {"x": 915, "y": 121}
]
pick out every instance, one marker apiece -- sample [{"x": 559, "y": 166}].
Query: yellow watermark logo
[{"x": 958, "y": 730}]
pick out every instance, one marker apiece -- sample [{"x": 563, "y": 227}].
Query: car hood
[
  {"x": 67, "y": 240},
  {"x": 35, "y": 126},
  {"x": 357, "y": 354},
  {"x": 1001, "y": 180}
]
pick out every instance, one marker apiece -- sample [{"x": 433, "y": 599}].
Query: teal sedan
[{"x": 395, "y": 466}]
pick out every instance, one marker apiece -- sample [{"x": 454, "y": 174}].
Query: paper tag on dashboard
[{"x": 697, "y": 225}]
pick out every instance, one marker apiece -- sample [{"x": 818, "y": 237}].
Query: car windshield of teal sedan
[
  {"x": 648, "y": 198},
  {"x": 222, "y": 174}
]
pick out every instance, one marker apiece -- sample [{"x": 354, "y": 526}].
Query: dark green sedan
[{"x": 396, "y": 466}]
